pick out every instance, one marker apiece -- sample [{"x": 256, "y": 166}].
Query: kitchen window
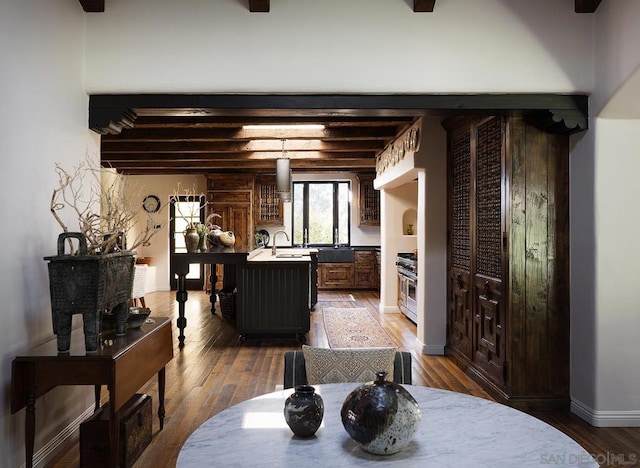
[{"x": 321, "y": 213}]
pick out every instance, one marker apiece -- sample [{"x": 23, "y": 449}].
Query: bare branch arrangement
[
  {"x": 196, "y": 201},
  {"x": 103, "y": 206}
]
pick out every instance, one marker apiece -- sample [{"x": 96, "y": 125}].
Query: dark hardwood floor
[{"x": 215, "y": 370}]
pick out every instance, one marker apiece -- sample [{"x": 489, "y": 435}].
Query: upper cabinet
[
  {"x": 369, "y": 201},
  {"x": 267, "y": 204}
]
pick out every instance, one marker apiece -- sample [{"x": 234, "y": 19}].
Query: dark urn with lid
[
  {"x": 303, "y": 411},
  {"x": 381, "y": 416}
]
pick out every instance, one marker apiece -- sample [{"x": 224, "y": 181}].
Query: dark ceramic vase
[
  {"x": 381, "y": 416},
  {"x": 303, "y": 411},
  {"x": 191, "y": 240}
]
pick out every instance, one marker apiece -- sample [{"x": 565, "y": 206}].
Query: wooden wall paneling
[
  {"x": 536, "y": 262},
  {"x": 516, "y": 346},
  {"x": 559, "y": 282}
]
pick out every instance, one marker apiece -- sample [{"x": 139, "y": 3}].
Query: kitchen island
[{"x": 275, "y": 293}]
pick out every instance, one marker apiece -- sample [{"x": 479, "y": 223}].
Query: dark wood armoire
[{"x": 508, "y": 258}]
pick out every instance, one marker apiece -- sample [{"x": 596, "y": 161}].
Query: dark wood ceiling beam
[
  {"x": 111, "y": 121},
  {"x": 587, "y": 6},
  {"x": 343, "y": 105},
  {"x": 422, "y": 6},
  {"x": 272, "y": 146},
  {"x": 259, "y": 6},
  {"x": 238, "y": 157},
  {"x": 250, "y": 164},
  {"x": 168, "y": 133},
  {"x": 145, "y": 120},
  {"x": 92, "y": 6}
]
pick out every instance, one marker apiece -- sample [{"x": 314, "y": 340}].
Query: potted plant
[{"x": 96, "y": 274}]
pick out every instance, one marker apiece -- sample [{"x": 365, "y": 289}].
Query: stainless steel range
[{"x": 407, "y": 264}]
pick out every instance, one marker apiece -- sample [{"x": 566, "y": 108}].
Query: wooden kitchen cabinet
[
  {"x": 335, "y": 275},
  {"x": 232, "y": 198},
  {"x": 268, "y": 208},
  {"x": 507, "y": 255},
  {"x": 368, "y": 201},
  {"x": 365, "y": 270}
]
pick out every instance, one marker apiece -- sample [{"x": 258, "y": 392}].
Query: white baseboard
[
  {"x": 51, "y": 448},
  {"x": 388, "y": 309},
  {"x": 605, "y": 418},
  {"x": 430, "y": 350},
  {"x": 433, "y": 350}
]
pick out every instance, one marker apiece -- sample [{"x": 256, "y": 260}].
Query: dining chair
[{"x": 295, "y": 370}]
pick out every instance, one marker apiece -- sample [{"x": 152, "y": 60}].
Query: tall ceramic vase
[
  {"x": 303, "y": 411},
  {"x": 191, "y": 240}
]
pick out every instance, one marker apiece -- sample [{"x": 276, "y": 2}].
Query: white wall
[
  {"x": 395, "y": 201},
  {"x": 618, "y": 294},
  {"x": 432, "y": 238},
  {"x": 43, "y": 120},
  {"x": 605, "y": 316},
  {"x": 337, "y": 46}
]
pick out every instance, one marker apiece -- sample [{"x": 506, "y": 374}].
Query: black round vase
[
  {"x": 303, "y": 411},
  {"x": 381, "y": 416}
]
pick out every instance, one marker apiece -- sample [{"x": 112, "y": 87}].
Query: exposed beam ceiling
[{"x": 172, "y": 134}]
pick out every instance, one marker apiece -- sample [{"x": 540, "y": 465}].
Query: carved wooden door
[
  {"x": 459, "y": 290},
  {"x": 489, "y": 336}
]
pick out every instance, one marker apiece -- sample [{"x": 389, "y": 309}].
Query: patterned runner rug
[
  {"x": 354, "y": 328},
  {"x": 335, "y": 297}
]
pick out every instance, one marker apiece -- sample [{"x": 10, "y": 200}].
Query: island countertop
[{"x": 284, "y": 254}]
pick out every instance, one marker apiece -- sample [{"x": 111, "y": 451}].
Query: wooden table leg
[
  {"x": 114, "y": 429},
  {"x": 213, "y": 278},
  {"x": 29, "y": 427},
  {"x": 161, "y": 380},
  {"x": 181, "y": 297}
]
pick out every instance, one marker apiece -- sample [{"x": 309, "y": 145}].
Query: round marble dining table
[{"x": 456, "y": 430}]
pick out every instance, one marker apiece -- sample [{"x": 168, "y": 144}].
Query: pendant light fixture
[{"x": 283, "y": 176}]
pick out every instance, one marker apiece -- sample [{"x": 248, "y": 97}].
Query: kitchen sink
[
  {"x": 333, "y": 255},
  {"x": 288, "y": 255}
]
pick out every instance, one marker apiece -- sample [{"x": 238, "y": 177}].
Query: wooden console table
[{"x": 123, "y": 363}]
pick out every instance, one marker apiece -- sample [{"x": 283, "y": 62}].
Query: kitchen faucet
[{"x": 275, "y": 238}]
